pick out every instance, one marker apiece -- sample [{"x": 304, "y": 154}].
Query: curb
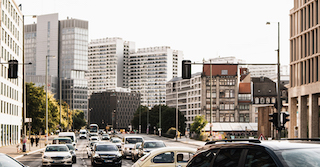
[{"x": 41, "y": 149}]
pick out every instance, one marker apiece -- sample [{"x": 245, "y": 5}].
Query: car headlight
[
  {"x": 67, "y": 157},
  {"x": 96, "y": 156},
  {"x": 46, "y": 157}
]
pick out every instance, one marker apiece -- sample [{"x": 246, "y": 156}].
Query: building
[
  {"x": 189, "y": 93},
  {"x": 304, "y": 87},
  {"x": 106, "y": 64},
  {"x": 113, "y": 108},
  {"x": 64, "y": 45},
  {"x": 11, "y": 89},
  {"x": 149, "y": 70}
]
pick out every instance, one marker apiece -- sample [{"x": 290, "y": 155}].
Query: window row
[
  {"x": 8, "y": 108},
  {"x": 11, "y": 43}
]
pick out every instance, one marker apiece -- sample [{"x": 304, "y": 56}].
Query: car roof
[
  {"x": 61, "y": 138},
  {"x": 174, "y": 149},
  {"x": 133, "y": 137},
  {"x": 56, "y": 145}
]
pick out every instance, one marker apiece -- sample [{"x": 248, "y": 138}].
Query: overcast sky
[{"x": 202, "y": 29}]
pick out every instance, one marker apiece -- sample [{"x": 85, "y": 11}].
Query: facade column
[
  {"x": 293, "y": 116},
  {"x": 303, "y": 116},
  {"x": 313, "y": 116}
]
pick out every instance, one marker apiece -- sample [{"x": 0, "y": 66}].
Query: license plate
[{"x": 107, "y": 161}]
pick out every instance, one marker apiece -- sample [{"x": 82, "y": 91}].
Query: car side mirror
[
  {"x": 76, "y": 149},
  {"x": 41, "y": 152}
]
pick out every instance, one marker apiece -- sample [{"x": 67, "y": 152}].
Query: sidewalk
[
  {"x": 190, "y": 141},
  {"x": 12, "y": 150}
]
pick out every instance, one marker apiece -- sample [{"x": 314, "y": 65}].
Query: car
[
  {"x": 71, "y": 135},
  {"x": 93, "y": 134},
  {"x": 93, "y": 138},
  {"x": 117, "y": 142},
  {"x": 134, "y": 152},
  {"x": 257, "y": 153},
  {"x": 105, "y": 137},
  {"x": 7, "y": 161},
  {"x": 83, "y": 134},
  {"x": 149, "y": 145},
  {"x": 73, "y": 153},
  {"x": 56, "y": 154},
  {"x": 128, "y": 144},
  {"x": 166, "y": 156},
  {"x": 62, "y": 140},
  {"x": 106, "y": 154},
  {"x": 90, "y": 147}
]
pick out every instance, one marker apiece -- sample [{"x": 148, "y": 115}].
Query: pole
[
  {"x": 140, "y": 116},
  {"x": 177, "y": 112},
  {"x": 159, "y": 114},
  {"x": 47, "y": 100},
  {"x": 60, "y": 103},
  {"x": 148, "y": 118},
  {"x": 278, "y": 94},
  {"x": 24, "y": 86},
  {"x": 210, "y": 101}
]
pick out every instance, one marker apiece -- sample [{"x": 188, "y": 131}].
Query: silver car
[
  {"x": 73, "y": 153},
  {"x": 57, "y": 154}
]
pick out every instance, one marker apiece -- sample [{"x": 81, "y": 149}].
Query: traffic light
[
  {"x": 13, "y": 69},
  {"x": 276, "y": 105},
  {"x": 274, "y": 120},
  {"x": 186, "y": 69},
  {"x": 284, "y": 118}
]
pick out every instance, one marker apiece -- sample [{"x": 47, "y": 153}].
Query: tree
[
  {"x": 198, "y": 124},
  {"x": 78, "y": 119}
]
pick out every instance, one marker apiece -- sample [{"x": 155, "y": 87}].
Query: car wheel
[
  {"x": 74, "y": 160},
  {"x": 119, "y": 165}
]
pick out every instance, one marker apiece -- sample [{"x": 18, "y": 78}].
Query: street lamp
[
  {"x": 278, "y": 78},
  {"x": 47, "y": 129}
]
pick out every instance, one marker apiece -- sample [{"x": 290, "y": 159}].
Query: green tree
[
  {"x": 78, "y": 119},
  {"x": 198, "y": 124}
]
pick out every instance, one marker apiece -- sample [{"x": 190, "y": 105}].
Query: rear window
[
  {"x": 133, "y": 140},
  {"x": 301, "y": 157},
  {"x": 61, "y": 141}
]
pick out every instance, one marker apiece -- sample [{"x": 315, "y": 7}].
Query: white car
[
  {"x": 83, "y": 134},
  {"x": 94, "y": 138},
  {"x": 57, "y": 154},
  {"x": 166, "y": 156},
  {"x": 128, "y": 144}
]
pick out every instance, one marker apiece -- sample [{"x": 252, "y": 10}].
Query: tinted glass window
[
  {"x": 259, "y": 157},
  {"x": 106, "y": 148},
  {"x": 228, "y": 157},
  {"x": 164, "y": 158},
  {"x": 203, "y": 159},
  {"x": 301, "y": 157}
]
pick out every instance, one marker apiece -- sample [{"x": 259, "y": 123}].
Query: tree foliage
[
  {"x": 78, "y": 119},
  {"x": 168, "y": 119},
  {"x": 198, "y": 124}
]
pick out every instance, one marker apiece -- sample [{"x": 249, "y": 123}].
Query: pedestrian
[
  {"x": 32, "y": 141},
  {"x": 37, "y": 140}
]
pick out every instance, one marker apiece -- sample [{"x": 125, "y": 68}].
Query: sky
[{"x": 202, "y": 29}]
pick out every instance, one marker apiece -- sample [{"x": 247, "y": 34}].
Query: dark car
[
  {"x": 7, "y": 161},
  {"x": 106, "y": 154},
  {"x": 257, "y": 153}
]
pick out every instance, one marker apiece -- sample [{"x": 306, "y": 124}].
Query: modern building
[
  {"x": 304, "y": 84},
  {"x": 107, "y": 64},
  {"x": 149, "y": 70},
  {"x": 64, "y": 45},
  {"x": 11, "y": 89},
  {"x": 113, "y": 108},
  {"x": 189, "y": 93}
]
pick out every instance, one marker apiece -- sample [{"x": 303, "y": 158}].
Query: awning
[{"x": 234, "y": 126}]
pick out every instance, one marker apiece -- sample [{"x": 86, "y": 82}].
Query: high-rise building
[
  {"x": 106, "y": 64},
  {"x": 11, "y": 90},
  {"x": 150, "y": 69},
  {"x": 64, "y": 44},
  {"x": 304, "y": 83}
]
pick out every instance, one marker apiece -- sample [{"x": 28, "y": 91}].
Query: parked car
[
  {"x": 135, "y": 151},
  {"x": 56, "y": 154},
  {"x": 128, "y": 144},
  {"x": 7, "y": 161},
  {"x": 73, "y": 153},
  {"x": 166, "y": 156},
  {"x": 149, "y": 145},
  {"x": 257, "y": 153},
  {"x": 106, "y": 154}
]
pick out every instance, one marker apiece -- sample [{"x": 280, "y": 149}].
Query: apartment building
[
  {"x": 63, "y": 46},
  {"x": 189, "y": 93},
  {"x": 11, "y": 89},
  {"x": 150, "y": 69},
  {"x": 107, "y": 60}
]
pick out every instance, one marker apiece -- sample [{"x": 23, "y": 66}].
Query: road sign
[{"x": 261, "y": 137}]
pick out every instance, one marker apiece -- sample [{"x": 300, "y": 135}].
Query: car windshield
[
  {"x": 133, "y": 140},
  {"x": 301, "y": 157},
  {"x": 153, "y": 145},
  {"x": 116, "y": 141},
  {"x": 70, "y": 146},
  {"x": 106, "y": 148},
  {"x": 138, "y": 145},
  {"x": 94, "y": 134},
  {"x": 6, "y": 161},
  {"x": 57, "y": 148}
]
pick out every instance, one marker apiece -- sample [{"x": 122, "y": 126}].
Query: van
[
  {"x": 83, "y": 134},
  {"x": 71, "y": 135}
]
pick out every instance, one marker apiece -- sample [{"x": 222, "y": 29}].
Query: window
[
  {"x": 256, "y": 100},
  {"x": 228, "y": 158},
  {"x": 203, "y": 159},
  {"x": 258, "y": 157},
  {"x": 183, "y": 157},
  {"x": 262, "y": 100},
  {"x": 224, "y": 72},
  {"x": 166, "y": 157}
]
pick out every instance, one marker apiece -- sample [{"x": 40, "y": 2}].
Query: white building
[
  {"x": 150, "y": 69},
  {"x": 11, "y": 90},
  {"x": 189, "y": 96},
  {"x": 106, "y": 59}
]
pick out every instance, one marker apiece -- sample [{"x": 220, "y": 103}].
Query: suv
[
  {"x": 128, "y": 144},
  {"x": 257, "y": 153}
]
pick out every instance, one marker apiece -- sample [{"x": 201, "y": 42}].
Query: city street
[{"x": 34, "y": 160}]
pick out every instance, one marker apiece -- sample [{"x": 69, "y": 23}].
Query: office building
[
  {"x": 64, "y": 44},
  {"x": 11, "y": 89},
  {"x": 106, "y": 64}
]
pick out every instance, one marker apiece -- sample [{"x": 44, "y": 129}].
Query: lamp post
[
  {"x": 47, "y": 129},
  {"x": 278, "y": 78},
  {"x": 159, "y": 113},
  {"x": 177, "y": 119}
]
